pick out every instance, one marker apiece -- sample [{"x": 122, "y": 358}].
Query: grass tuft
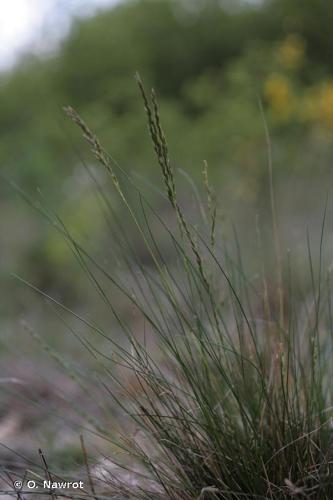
[{"x": 227, "y": 386}]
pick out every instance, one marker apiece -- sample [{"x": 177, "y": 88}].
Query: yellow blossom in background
[
  {"x": 325, "y": 105},
  {"x": 317, "y": 106},
  {"x": 291, "y": 52},
  {"x": 278, "y": 93}
]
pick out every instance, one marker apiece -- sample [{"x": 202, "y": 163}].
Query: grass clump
[{"x": 224, "y": 380}]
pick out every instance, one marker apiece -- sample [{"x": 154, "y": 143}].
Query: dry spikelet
[
  {"x": 96, "y": 147},
  {"x": 161, "y": 149},
  {"x": 210, "y": 202}
]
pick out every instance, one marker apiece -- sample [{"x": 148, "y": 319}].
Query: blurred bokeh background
[{"x": 212, "y": 62}]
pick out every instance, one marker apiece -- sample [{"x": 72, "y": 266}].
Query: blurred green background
[{"x": 211, "y": 62}]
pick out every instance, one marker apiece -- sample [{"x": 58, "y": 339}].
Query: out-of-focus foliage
[{"x": 211, "y": 63}]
